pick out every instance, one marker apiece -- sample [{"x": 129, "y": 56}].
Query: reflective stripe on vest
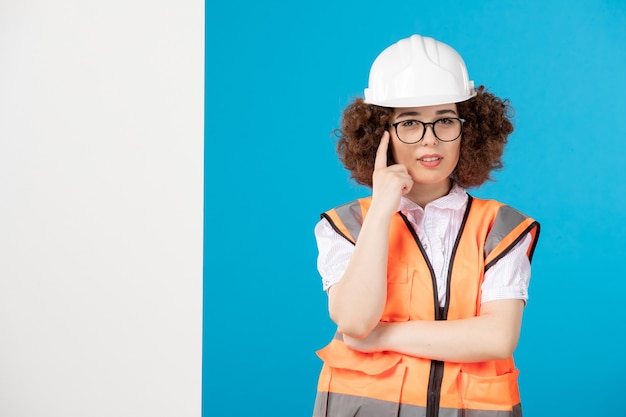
[
  {"x": 333, "y": 404},
  {"x": 380, "y": 381}
]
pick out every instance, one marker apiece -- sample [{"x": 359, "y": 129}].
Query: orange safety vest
[{"x": 381, "y": 384}]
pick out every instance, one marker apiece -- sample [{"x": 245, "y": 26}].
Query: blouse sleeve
[
  {"x": 510, "y": 276},
  {"x": 334, "y": 253}
]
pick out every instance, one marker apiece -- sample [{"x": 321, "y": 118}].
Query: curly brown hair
[{"x": 485, "y": 132}]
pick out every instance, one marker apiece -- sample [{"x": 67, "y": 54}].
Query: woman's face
[{"x": 429, "y": 161}]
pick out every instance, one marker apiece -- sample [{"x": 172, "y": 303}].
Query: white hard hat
[{"x": 418, "y": 71}]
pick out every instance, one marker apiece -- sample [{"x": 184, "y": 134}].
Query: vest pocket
[
  {"x": 489, "y": 392},
  {"x": 398, "y": 274},
  {"x": 398, "y": 293},
  {"x": 361, "y": 385}
]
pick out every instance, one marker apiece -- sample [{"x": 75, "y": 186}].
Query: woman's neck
[{"x": 423, "y": 194}]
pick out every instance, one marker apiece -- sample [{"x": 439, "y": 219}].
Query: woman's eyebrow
[
  {"x": 408, "y": 113},
  {"x": 445, "y": 111},
  {"x": 416, "y": 113}
]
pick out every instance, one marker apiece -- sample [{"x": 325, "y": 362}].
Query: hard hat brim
[{"x": 419, "y": 101}]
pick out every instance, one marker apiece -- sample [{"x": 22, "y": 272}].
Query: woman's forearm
[
  {"x": 357, "y": 301},
  {"x": 492, "y": 335}
]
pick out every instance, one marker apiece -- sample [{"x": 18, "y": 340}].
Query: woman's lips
[{"x": 430, "y": 161}]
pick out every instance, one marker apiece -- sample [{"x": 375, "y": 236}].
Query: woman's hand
[{"x": 389, "y": 183}]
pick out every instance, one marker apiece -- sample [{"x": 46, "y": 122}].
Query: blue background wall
[{"x": 277, "y": 78}]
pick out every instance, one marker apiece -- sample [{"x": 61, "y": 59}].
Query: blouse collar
[{"x": 454, "y": 200}]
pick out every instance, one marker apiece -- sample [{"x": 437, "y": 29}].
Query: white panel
[{"x": 101, "y": 176}]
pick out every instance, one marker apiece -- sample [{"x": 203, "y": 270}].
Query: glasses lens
[
  {"x": 447, "y": 129},
  {"x": 410, "y": 131}
]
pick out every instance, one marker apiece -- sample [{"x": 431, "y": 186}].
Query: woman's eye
[
  {"x": 445, "y": 121},
  {"x": 409, "y": 123}
]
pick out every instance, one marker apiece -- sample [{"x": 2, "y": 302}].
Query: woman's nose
[{"x": 429, "y": 135}]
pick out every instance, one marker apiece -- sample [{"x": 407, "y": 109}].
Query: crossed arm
[
  {"x": 491, "y": 335},
  {"x": 357, "y": 301}
]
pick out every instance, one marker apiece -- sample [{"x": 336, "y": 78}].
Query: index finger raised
[{"x": 381, "y": 153}]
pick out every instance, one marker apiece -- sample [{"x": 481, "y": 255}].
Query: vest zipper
[
  {"x": 434, "y": 389},
  {"x": 436, "y": 367},
  {"x": 441, "y": 313}
]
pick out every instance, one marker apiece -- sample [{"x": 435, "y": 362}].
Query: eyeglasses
[{"x": 447, "y": 129}]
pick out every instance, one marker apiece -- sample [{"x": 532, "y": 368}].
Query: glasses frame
[{"x": 425, "y": 125}]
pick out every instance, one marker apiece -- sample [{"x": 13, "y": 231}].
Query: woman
[{"x": 426, "y": 284}]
